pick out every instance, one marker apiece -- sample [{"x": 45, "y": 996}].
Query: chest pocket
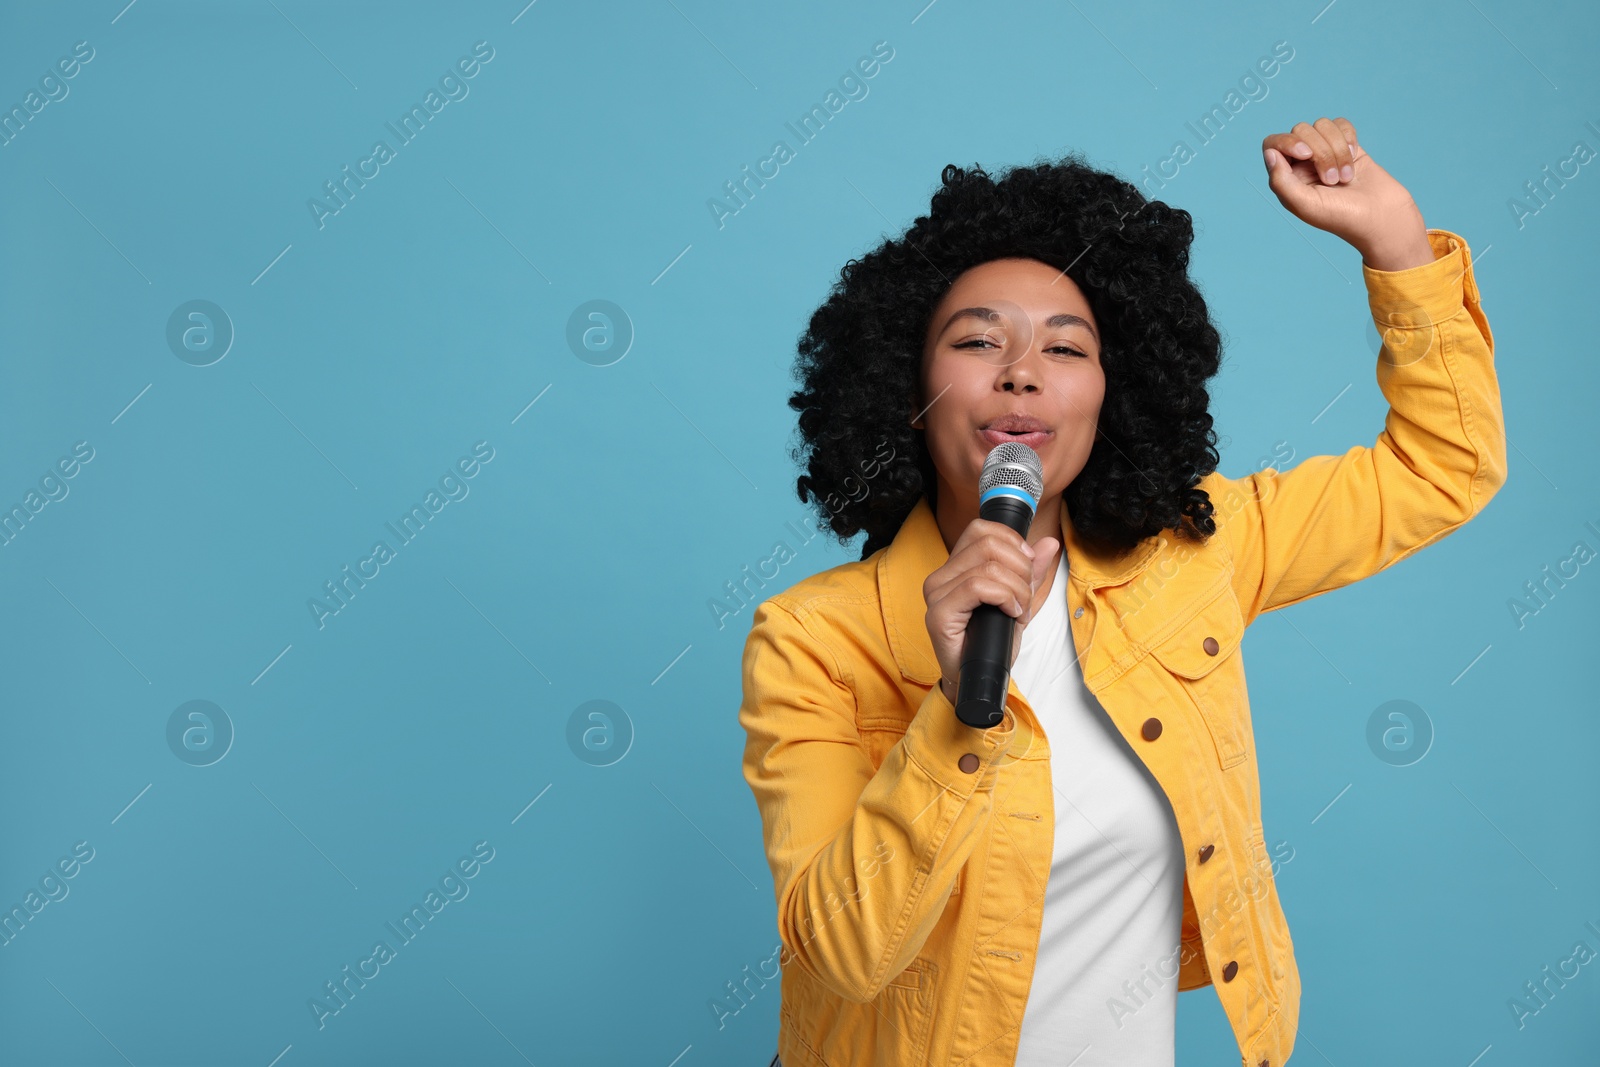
[{"x": 1202, "y": 654}]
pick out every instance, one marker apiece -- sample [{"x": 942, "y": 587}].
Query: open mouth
[{"x": 1032, "y": 438}]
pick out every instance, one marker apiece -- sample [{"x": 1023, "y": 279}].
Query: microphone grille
[{"x": 1013, "y": 464}]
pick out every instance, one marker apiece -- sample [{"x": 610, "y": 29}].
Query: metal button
[
  {"x": 1078, "y": 614},
  {"x": 1210, "y": 645},
  {"x": 968, "y": 763},
  {"x": 1230, "y": 970},
  {"x": 1151, "y": 729},
  {"x": 1205, "y": 853}
]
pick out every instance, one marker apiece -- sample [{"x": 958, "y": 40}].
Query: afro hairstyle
[{"x": 860, "y": 355}]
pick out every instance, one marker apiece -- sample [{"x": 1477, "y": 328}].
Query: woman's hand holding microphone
[{"x": 990, "y": 564}]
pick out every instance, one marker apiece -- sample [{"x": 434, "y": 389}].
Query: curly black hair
[{"x": 860, "y": 356}]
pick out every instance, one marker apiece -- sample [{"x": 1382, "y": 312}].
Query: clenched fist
[{"x": 1325, "y": 179}]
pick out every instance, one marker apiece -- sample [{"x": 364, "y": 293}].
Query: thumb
[
  {"x": 1293, "y": 193},
  {"x": 1044, "y": 558},
  {"x": 1280, "y": 174}
]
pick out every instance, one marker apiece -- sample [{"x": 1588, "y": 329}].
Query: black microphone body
[{"x": 986, "y": 654}]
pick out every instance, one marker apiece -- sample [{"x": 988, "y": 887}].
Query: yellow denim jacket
[{"x": 910, "y": 893}]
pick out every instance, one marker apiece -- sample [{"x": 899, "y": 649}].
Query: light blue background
[{"x": 432, "y": 310}]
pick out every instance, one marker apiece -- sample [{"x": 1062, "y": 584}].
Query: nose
[{"x": 1020, "y": 375}]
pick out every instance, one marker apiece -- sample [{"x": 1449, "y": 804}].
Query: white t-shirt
[{"x": 1105, "y": 984}]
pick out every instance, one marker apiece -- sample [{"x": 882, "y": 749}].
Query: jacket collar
[{"x": 918, "y": 550}]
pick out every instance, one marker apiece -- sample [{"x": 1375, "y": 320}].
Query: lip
[{"x": 1032, "y": 440}]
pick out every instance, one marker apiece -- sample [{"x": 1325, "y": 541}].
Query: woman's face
[{"x": 1012, "y": 337}]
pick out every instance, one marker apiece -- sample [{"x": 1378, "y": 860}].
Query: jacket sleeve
[
  {"x": 1332, "y": 520},
  {"x": 862, "y": 862}
]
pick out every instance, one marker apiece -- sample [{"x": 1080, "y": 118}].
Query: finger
[
  {"x": 982, "y": 532},
  {"x": 997, "y": 587},
  {"x": 987, "y": 582},
  {"x": 1349, "y": 134},
  {"x": 991, "y": 540},
  {"x": 991, "y": 558},
  {"x": 1339, "y": 143},
  {"x": 987, "y": 528},
  {"x": 1321, "y": 152},
  {"x": 1289, "y": 145}
]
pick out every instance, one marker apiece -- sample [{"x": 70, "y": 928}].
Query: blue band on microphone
[{"x": 1008, "y": 490}]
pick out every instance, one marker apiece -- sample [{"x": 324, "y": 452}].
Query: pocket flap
[{"x": 1193, "y": 648}]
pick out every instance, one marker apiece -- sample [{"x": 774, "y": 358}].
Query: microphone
[{"x": 1008, "y": 492}]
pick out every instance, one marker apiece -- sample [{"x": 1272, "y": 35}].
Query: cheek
[
  {"x": 949, "y": 379},
  {"x": 950, "y": 396},
  {"x": 1094, "y": 391},
  {"x": 945, "y": 445},
  {"x": 956, "y": 452}
]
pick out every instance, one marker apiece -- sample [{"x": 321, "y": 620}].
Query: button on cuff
[{"x": 961, "y": 757}]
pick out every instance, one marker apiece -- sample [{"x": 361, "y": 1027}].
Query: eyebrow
[{"x": 1054, "y": 321}]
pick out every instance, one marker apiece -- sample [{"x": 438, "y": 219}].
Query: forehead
[{"x": 1036, "y": 286}]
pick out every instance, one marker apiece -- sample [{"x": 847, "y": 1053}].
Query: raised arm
[{"x": 1441, "y": 455}]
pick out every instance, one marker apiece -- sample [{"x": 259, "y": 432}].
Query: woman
[{"x": 1039, "y": 892}]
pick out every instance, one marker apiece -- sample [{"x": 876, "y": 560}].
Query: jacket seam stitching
[
  {"x": 838, "y": 680},
  {"x": 914, "y": 896},
  {"x": 800, "y": 1037},
  {"x": 1233, "y": 570},
  {"x": 1449, "y": 358},
  {"x": 839, "y": 676}
]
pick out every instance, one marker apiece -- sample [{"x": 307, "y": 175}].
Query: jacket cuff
[
  {"x": 1424, "y": 295},
  {"x": 937, "y": 742}
]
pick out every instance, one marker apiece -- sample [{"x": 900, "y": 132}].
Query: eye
[{"x": 976, "y": 342}]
